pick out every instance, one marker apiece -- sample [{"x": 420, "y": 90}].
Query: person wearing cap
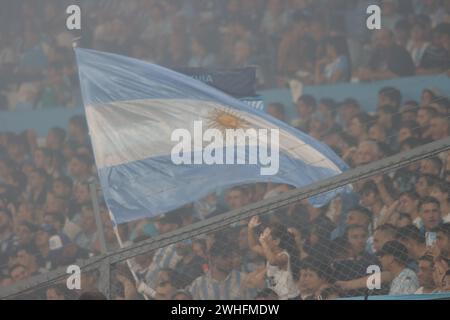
[{"x": 394, "y": 258}]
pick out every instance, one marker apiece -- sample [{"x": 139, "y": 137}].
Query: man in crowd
[
  {"x": 394, "y": 258},
  {"x": 221, "y": 282}
]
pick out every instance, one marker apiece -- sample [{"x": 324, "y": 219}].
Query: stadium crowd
[
  {"x": 398, "y": 221},
  {"x": 315, "y": 42}
]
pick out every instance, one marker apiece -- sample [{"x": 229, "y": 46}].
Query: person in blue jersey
[{"x": 221, "y": 282}]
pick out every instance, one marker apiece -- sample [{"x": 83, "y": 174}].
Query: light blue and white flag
[{"x": 132, "y": 109}]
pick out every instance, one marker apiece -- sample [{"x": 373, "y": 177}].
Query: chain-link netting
[
  {"x": 377, "y": 240},
  {"x": 73, "y": 285}
]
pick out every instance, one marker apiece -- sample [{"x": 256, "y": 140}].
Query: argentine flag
[{"x": 133, "y": 108}]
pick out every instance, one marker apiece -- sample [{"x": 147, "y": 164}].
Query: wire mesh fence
[
  {"x": 81, "y": 286},
  {"x": 302, "y": 252},
  {"x": 389, "y": 235}
]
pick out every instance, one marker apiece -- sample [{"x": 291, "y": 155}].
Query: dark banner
[{"x": 238, "y": 83}]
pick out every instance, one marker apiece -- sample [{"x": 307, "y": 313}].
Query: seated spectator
[
  {"x": 388, "y": 60},
  {"x": 436, "y": 59},
  {"x": 394, "y": 258},
  {"x": 418, "y": 43},
  {"x": 389, "y": 96},
  {"x": 335, "y": 67}
]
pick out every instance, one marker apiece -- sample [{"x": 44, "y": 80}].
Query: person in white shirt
[
  {"x": 278, "y": 246},
  {"x": 394, "y": 258}
]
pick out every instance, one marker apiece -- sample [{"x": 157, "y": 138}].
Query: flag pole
[
  {"x": 105, "y": 280},
  {"x": 128, "y": 261}
]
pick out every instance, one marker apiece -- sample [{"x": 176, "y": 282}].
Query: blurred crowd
[
  {"x": 315, "y": 42},
  {"x": 399, "y": 221}
]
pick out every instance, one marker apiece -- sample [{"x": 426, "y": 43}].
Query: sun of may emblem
[{"x": 222, "y": 120}]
